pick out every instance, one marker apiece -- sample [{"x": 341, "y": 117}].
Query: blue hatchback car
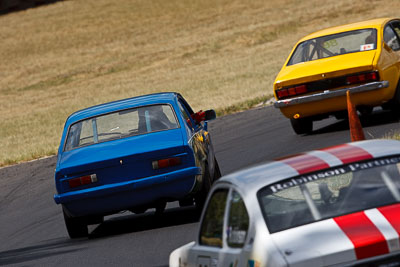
[{"x": 133, "y": 154}]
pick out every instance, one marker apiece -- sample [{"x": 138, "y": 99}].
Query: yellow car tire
[{"x": 302, "y": 126}]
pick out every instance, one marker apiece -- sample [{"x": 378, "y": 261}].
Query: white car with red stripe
[{"x": 336, "y": 206}]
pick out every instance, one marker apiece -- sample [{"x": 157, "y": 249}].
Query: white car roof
[{"x": 259, "y": 176}]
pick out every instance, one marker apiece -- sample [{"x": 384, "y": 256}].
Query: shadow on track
[
  {"x": 113, "y": 226},
  {"x": 147, "y": 221},
  {"x": 378, "y": 117},
  {"x": 31, "y": 253}
]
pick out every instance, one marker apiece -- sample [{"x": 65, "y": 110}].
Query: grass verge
[
  {"x": 244, "y": 105},
  {"x": 225, "y": 54}
]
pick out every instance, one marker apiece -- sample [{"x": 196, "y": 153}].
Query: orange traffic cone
[{"x": 356, "y": 131}]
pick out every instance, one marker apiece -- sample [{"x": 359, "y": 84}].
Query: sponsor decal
[
  {"x": 372, "y": 164},
  {"x": 366, "y": 47},
  {"x": 352, "y": 167},
  {"x": 253, "y": 263},
  {"x": 305, "y": 179}
]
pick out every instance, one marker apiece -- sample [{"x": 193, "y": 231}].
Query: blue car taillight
[
  {"x": 83, "y": 180},
  {"x": 164, "y": 163}
]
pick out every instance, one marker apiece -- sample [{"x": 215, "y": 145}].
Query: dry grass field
[{"x": 59, "y": 58}]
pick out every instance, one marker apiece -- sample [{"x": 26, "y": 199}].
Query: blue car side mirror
[{"x": 210, "y": 115}]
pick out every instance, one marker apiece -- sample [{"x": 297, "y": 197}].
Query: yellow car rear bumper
[{"x": 335, "y": 100}]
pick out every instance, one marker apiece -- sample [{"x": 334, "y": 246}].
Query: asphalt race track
[{"x": 32, "y": 231}]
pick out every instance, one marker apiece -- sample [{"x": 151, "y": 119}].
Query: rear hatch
[
  {"x": 120, "y": 160},
  {"x": 338, "y": 214},
  {"x": 325, "y": 68},
  {"x": 367, "y": 236}
]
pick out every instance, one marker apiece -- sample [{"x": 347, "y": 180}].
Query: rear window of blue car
[{"x": 121, "y": 124}]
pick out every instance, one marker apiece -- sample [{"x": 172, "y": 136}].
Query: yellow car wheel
[
  {"x": 302, "y": 126},
  {"x": 394, "y": 105}
]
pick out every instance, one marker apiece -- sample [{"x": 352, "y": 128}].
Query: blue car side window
[
  {"x": 186, "y": 116},
  {"x": 80, "y": 134}
]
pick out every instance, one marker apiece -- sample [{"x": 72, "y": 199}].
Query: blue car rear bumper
[{"x": 120, "y": 196}]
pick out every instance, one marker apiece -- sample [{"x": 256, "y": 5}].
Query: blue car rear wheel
[
  {"x": 201, "y": 196},
  {"x": 76, "y": 227},
  {"x": 217, "y": 171}
]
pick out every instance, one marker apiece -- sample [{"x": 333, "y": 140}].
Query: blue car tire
[
  {"x": 201, "y": 196},
  {"x": 76, "y": 227},
  {"x": 217, "y": 171},
  {"x": 160, "y": 207}
]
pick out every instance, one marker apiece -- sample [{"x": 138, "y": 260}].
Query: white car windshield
[
  {"x": 121, "y": 124},
  {"x": 330, "y": 193},
  {"x": 333, "y": 45}
]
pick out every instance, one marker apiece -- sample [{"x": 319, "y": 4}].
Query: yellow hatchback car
[{"x": 361, "y": 57}]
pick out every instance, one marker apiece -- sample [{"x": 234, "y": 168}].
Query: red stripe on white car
[
  {"x": 379, "y": 148},
  {"x": 327, "y": 157},
  {"x": 368, "y": 241},
  {"x": 392, "y": 214},
  {"x": 305, "y": 163},
  {"x": 348, "y": 153},
  {"x": 384, "y": 226}
]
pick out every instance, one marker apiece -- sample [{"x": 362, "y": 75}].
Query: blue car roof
[{"x": 122, "y": 104}]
